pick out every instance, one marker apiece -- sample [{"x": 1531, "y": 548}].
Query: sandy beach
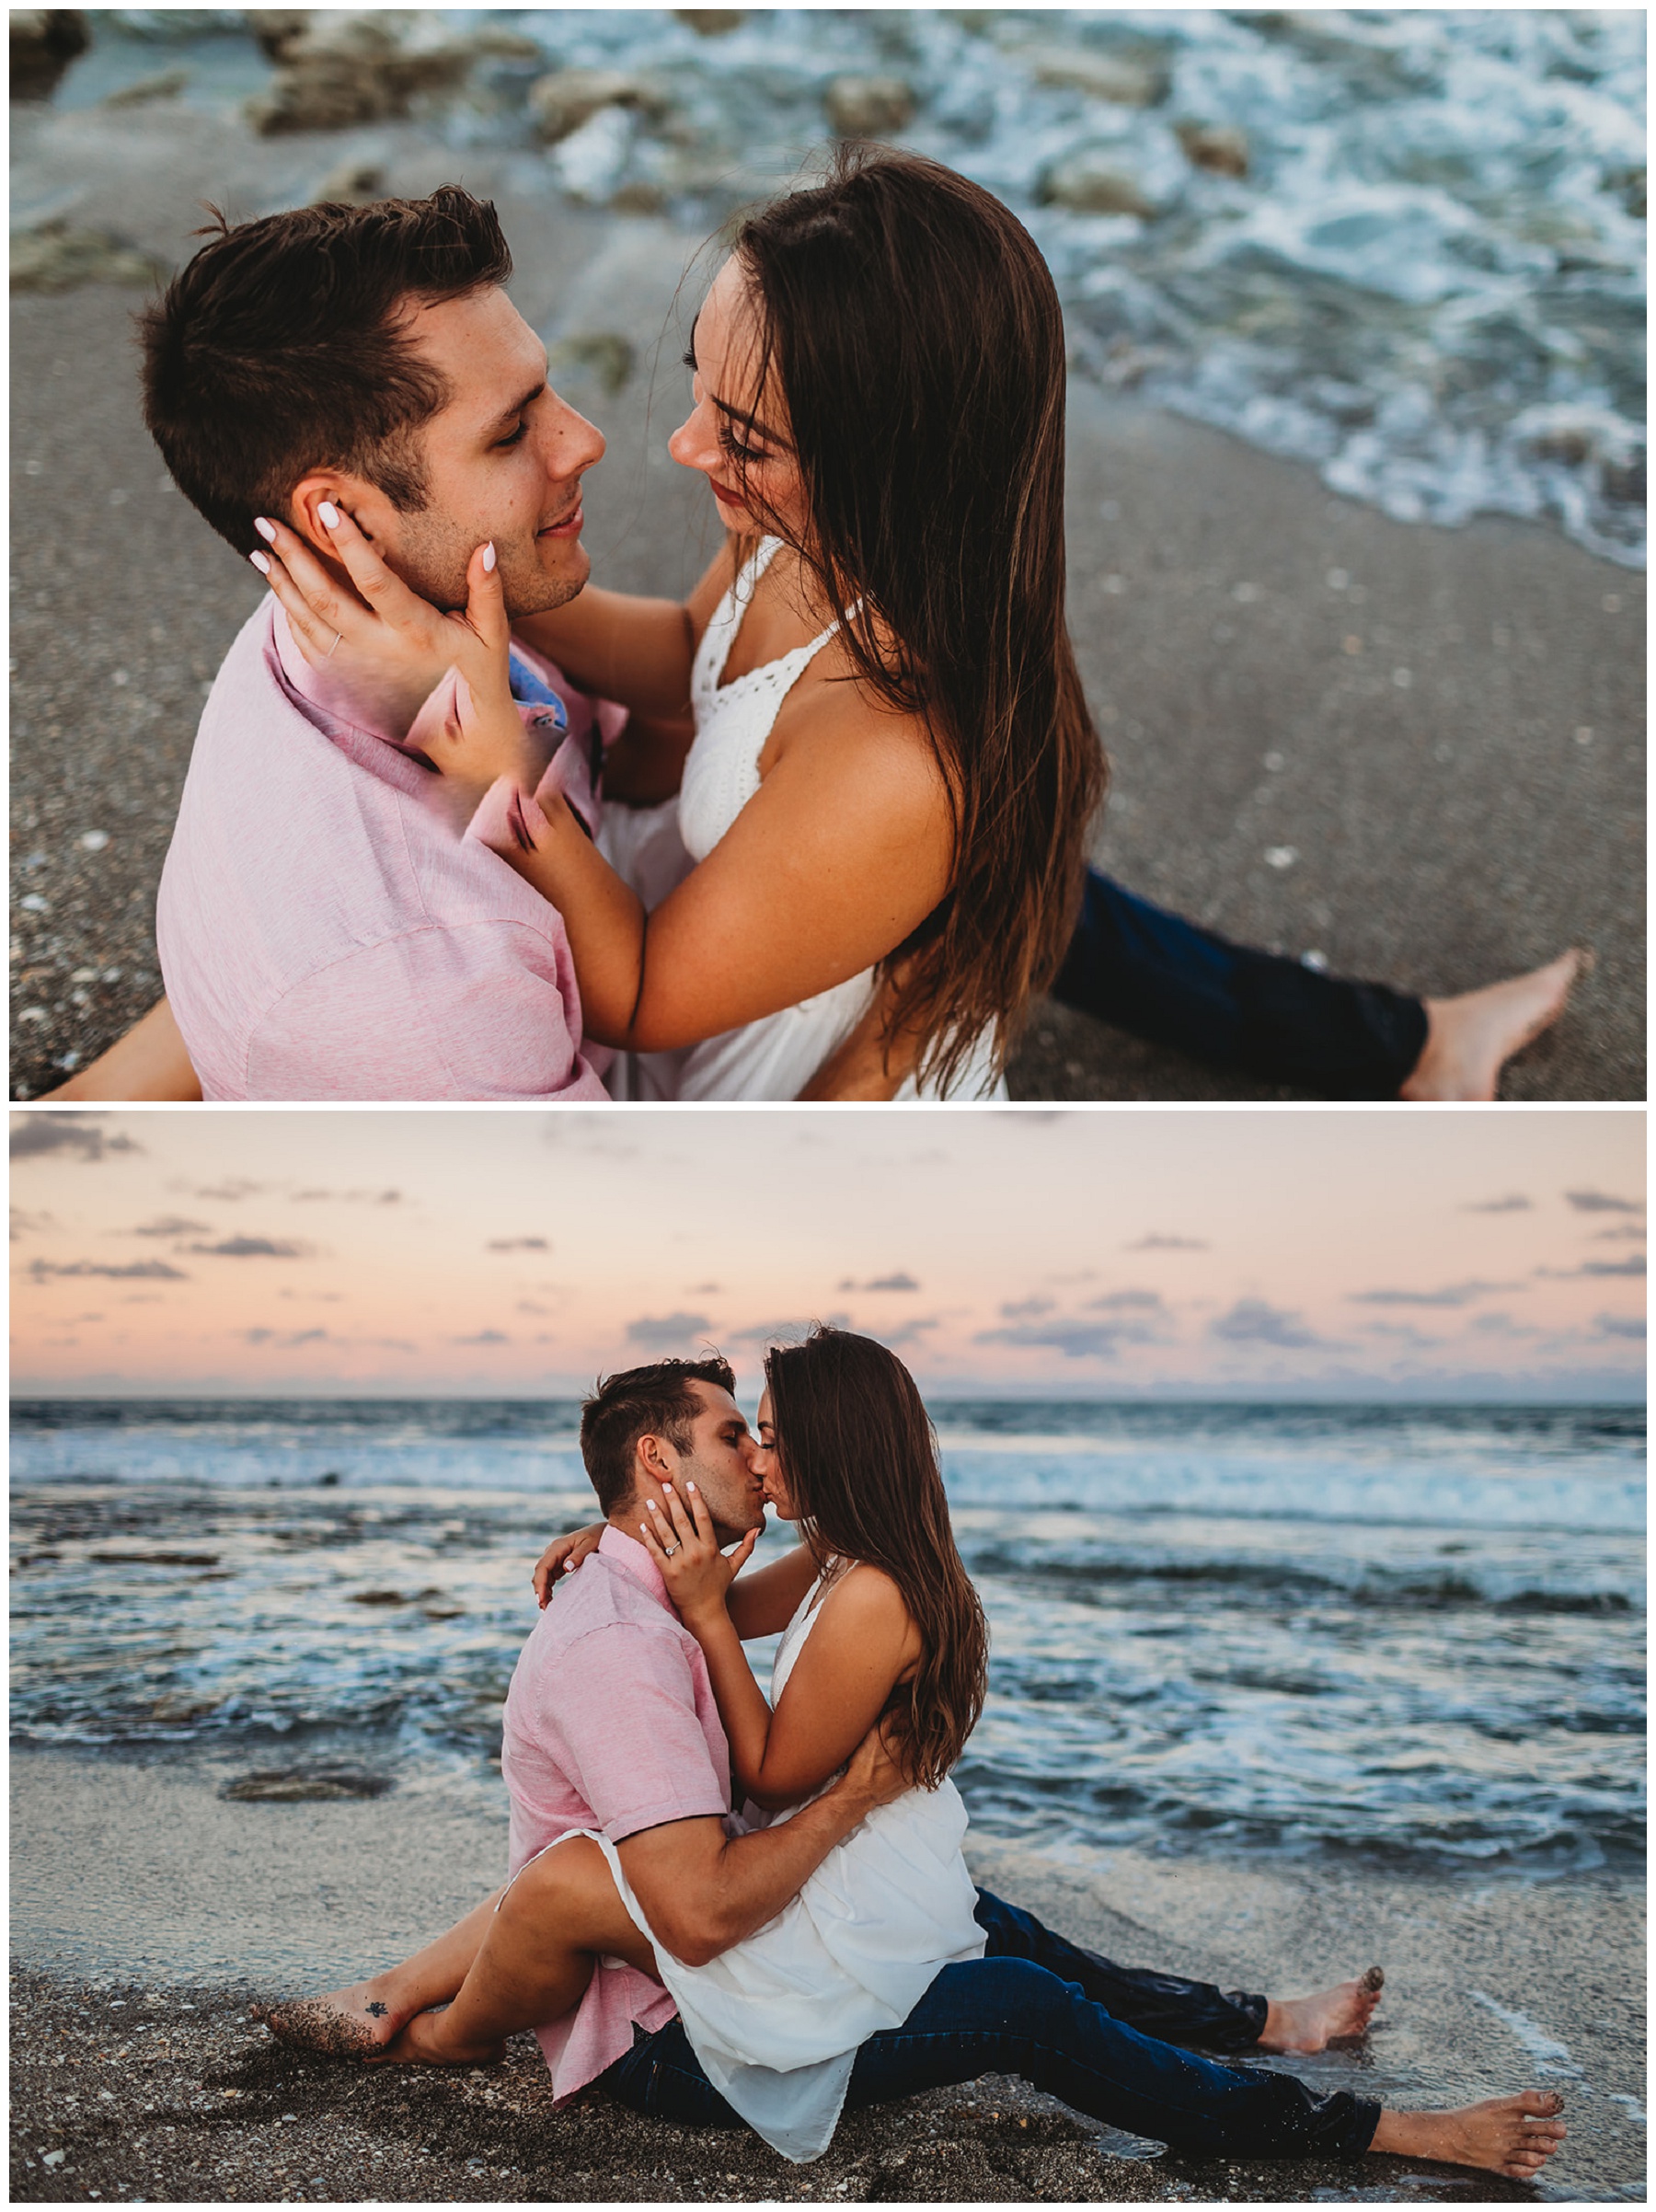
[
  {"x": 147, "y": 1910},
  {"x": 1414, "y": 753}
]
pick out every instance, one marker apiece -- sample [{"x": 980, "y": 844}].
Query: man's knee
[{"x": 552, "y": 1885}]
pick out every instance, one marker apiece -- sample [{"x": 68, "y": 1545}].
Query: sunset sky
[{"x": 420, "y": 1253}]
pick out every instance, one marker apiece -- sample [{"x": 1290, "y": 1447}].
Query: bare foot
[
  {"x": 1311, "y": 2023},
  {"x": 357, "y": 2022},
  {"x": 1470, "y": 1038},
  {"x": 1514, "y": 2136},
  {"x": 426, "y": 2041}
]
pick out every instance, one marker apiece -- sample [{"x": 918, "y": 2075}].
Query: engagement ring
[
  {"x": 335, "y": 646},
  {"x": 668, "y": 1550}
]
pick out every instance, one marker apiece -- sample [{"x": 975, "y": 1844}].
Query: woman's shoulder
[
  {"x": 865, "y": 1599},
  {"x": 840, "y": 732}
]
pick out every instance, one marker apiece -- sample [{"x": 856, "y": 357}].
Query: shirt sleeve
[
  {"x": 478, "y": 1010},
  {"x": 640, "y": 1758}
]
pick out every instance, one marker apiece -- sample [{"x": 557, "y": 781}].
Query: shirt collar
[
  {"x": 312, "y": 685},
  {"x": 369, "y": 748},
  {"x": 633, "y": 1557}
]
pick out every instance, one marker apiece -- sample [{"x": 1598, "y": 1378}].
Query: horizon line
[{"x": 1194, "y": 1395}]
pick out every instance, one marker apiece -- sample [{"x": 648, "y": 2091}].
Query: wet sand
[
  {"x": 1448, "y": 745},
  {"x": 147, "y": 1910}
]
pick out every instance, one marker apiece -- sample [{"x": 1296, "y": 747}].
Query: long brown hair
[
  {"x": 860, "y": 1459},
  {"x": 916, "y": 335}
]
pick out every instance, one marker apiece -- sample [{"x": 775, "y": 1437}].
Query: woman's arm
[
  {"x": 562, "y": 1556},
  {"x": 762, "y": 1604},
  {"x": 149, "y": 1062},
  {"x": 838, "y": 1688},
  {"x": 843, "y": 850},
  {"x": 636, "y": 651}
]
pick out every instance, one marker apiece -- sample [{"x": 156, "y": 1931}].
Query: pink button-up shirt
[
  {"x": 326, "y": 931},
  {"x": 611, "y": 1724}
]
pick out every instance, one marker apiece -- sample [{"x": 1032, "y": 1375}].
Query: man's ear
[
  {"x": 367, "y": 507},
  {"x": 652, "y": 1473},
  {"x": 652, "y": 1462}
]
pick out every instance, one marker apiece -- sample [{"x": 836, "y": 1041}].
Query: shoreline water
[
  {"x": 147, "y": 1908},
  {"x": 1430, "y": 772}
]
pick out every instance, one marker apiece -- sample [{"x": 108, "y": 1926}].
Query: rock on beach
[
  {"x": 44, "y": 40},
  {"x": 1122, "y": 82},
  {"x": 869, "y": 106},
  {"x": 566, "y": 98},
  {"x": 1090, "y": 183},
  {"x": 1221, "y": 148},
  {"x": 354, "y": 69}
]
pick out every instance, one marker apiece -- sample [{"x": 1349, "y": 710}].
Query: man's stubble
[
  {"x": 733, "y": 1513},
  {"x": 433, "y": 553}
]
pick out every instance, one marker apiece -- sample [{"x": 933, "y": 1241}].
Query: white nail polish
[
  {"x": 489, "y": 559},
  {"x": 260, "y": 563},
  {"x": 328, "y": 513},
  {"x": 266, "y": 530}
]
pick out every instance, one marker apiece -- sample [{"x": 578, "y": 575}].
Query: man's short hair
[
  {"x": 656, "y": 1401},
  {"x": 280, "y": 348}
]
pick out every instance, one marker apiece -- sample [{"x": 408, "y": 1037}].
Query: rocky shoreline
[{"x": 1405, "y": 753}]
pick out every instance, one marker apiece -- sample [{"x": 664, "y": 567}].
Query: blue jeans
[
  {"x": 1044, "y": 2009},
  {"x": 1170, "y": 981}
]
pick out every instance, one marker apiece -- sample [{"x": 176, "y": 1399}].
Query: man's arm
[
  {"x": 703, "y": 1891},
  {"x": 868, "y": 1065}
]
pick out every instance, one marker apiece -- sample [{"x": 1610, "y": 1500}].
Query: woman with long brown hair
[
  {"x": 859, "y": 1476},
  {"x": 889, "y": 770}
]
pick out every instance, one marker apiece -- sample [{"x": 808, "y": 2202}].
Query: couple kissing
[{"x": 725, "y": 1910}]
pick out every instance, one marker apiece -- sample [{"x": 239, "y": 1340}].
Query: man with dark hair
[
  {"x": 367, "y": 358},
  {"x": 626, "y": 1408}
]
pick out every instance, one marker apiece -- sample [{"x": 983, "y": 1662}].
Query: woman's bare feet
[
  {"x": 357, "y": 2022},
  {"x": 1470, "y": 1038},
  {"x": 1514, "y": 2136},
  {"x": 1311, "y": 2023}
]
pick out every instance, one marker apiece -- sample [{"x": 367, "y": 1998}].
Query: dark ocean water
[{"x": 1410, "y": 1633}]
